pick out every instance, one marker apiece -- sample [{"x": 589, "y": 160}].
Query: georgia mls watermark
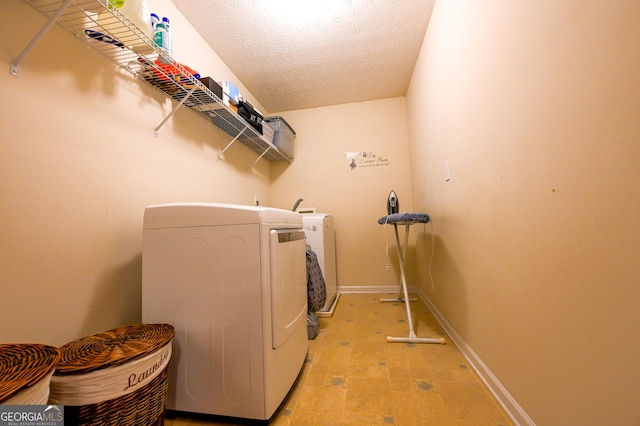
[{"x": 31, "y": 415}]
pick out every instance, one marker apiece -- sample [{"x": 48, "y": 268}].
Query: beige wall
[
  {"x": 356, "y": 198},
  {"x": 79, "y": 162},
  {"x": 536, "y": 106}
]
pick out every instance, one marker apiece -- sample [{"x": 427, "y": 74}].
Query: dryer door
[{"x": 288, "y": 282}]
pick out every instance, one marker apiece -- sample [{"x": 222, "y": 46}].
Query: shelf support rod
[
  {"x": 259, "y": 158},
  {"x": 232, "y": 141},
  {"x": 173, "y": 111},
  {"x": 14, "y": 68}
]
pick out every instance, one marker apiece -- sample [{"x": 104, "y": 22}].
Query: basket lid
[
  {"x": 112, "y": 348},
  {"x": 23, "y": 365}
]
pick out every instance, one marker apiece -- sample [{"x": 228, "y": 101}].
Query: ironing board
[{"x": 406, "y": 219}]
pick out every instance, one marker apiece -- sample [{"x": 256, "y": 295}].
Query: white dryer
[{"x": 232, "y": 281}]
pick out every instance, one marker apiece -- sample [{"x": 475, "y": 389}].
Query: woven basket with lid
[
  {"x": 24, "y": 368},
  {"x": 109, "y": 360}
]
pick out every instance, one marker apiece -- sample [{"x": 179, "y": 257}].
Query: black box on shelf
[
  {"x": 248, "y": 112},
  {"x": 212, "y": 85}
]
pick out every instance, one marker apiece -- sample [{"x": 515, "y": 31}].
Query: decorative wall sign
[{"x": 365, "y": 159}]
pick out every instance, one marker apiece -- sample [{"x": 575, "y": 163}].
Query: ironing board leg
[
  {"x": 412, "y": 335},
  {"x": 401, "y": 297}
]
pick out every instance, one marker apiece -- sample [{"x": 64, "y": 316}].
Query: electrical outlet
[{"x": 387, "y": 268}]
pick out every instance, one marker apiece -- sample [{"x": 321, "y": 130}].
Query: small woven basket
[
  {"x": 25, "y": 372},
  {"x": 117, "y": 377}
]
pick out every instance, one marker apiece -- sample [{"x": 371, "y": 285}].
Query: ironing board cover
[{"x": 405, "y": 218}]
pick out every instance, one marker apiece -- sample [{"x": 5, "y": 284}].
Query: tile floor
[{"x": 353, "y": 376}]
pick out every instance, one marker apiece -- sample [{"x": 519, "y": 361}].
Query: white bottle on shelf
[
  {"x": 161, "y": 39},
  {"x": 169, "y": 35},
  {"x": 155, "y": 20},
  {"x": 136, "y": 11},
  {"x": 159, "y": 35}
]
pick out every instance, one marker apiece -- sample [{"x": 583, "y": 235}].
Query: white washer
[
  {"x": 232, "y": 281},
  {"x": 320, "y": 234}
]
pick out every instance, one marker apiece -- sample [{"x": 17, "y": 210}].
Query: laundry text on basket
[{"x": 136, "y": 379}]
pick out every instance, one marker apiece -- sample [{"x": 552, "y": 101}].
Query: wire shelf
[{"x": 112, "y": 34}]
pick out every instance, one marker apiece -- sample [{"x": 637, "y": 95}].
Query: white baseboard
[
  {"x": 373, "y": 289},
  {"x": 502, "y": 396},
  {"x": 328, "y": 313},
  {"x": 510, "y": 406}
]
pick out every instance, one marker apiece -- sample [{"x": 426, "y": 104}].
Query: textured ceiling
[{"x": 295, "y": 54}]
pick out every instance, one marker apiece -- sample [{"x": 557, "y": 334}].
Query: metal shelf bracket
[
  {"x": 14, "y": 68},
  {"x": 259, "y": 158},
  {"x": 173, "y": 111},
  {"x": 231, "y": 143}
]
